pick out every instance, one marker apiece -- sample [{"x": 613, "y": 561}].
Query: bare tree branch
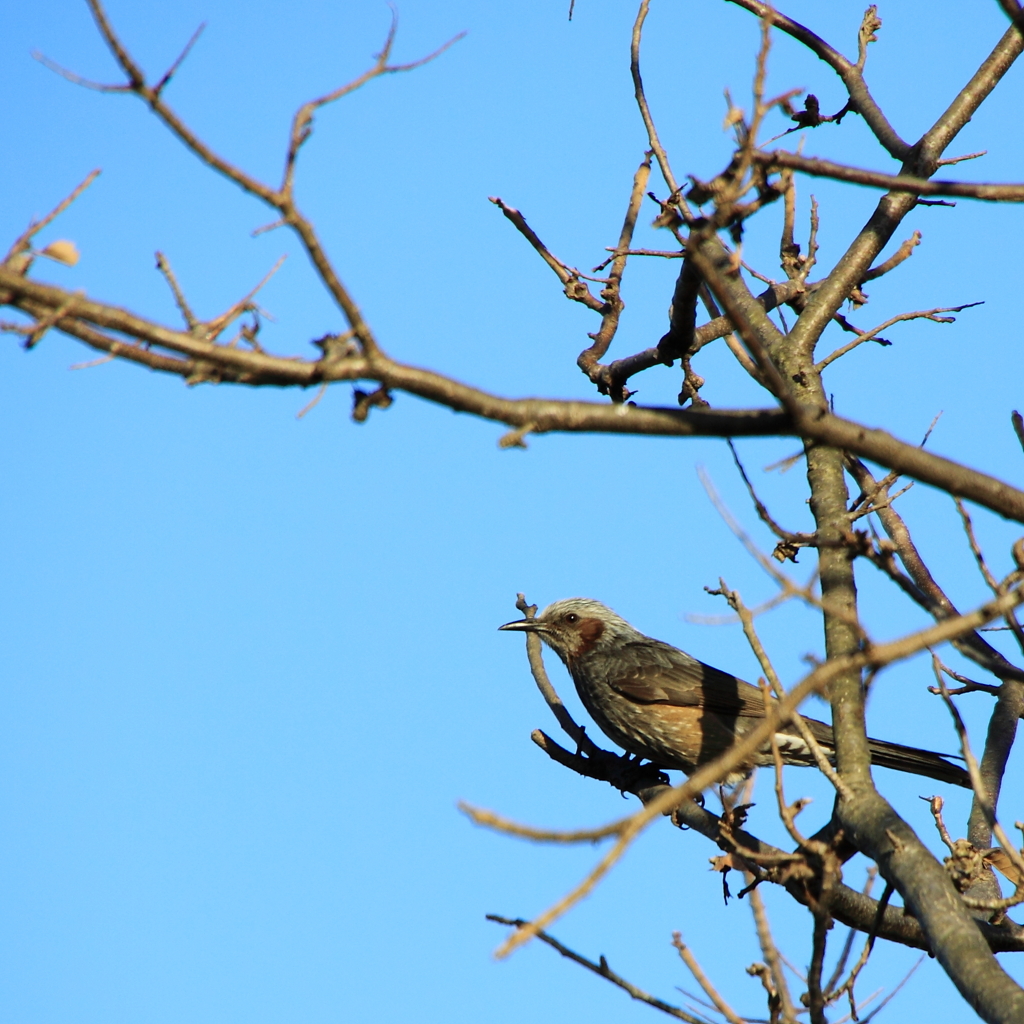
[
  {"x": 23, "y": 241},
  {"x": 281, "y": 199},
  {"x": 936, "y": 912},
  {"x": 993, "y": 193},
  {"x": 872, "y": 335},
  {"x": 590, "y": 357},
  {"x": 851, "y": 75},
  {"x": 602, "y": 968},
  {"x": 702, "y": 979}
]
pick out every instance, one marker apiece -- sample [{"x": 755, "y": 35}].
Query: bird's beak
[{"x": 524, "y": 625}]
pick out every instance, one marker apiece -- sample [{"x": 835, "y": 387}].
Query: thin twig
[
  {"x": 675, "y": 197},
  {"x": 702, "y": 979},
  {"x": 1018, "y": 426},
  {"x": 667, "y": 254},
  {"x": 790, "y": 539},
  {"x": 904, "y": 252},
  {"x": 781, "y": 579},
  {"x": 488, "y": 819},
  {"x": 935, "y": 804},
  {"x": 24, "y": 240},
  {"x": 788, "y": 587},
  {"x": 869, "y": 944},
  {"x": 601, "y": 968},
  {"x": 590, "y": 357},
  {"x": 960, "y": 159},
  {"x": 922, "y": 585},
  {"x": 313, "y": 402},
  {"x": 164, "y": 266},
  {"x": 820, "y": 757},
  {"x": 74, "y": 79},
  {"x": 881, "y": 1006},
  {"x": 217, "y": 325},
  {"x": 979, "y": 558},
  {"x": 540, "y": 676},
  {"x": 575, "y": 289},
  {"x": 172, "y": 70},
  {"x": 993, "y": 584},
  {"x": 926, "y": 314},
  {"x": 35, "y": 333},
  {"x": 840, "y": 967},
  {"x": 303, "y": 119},
  {"x": 770, "y": 952},
  {"x": 282, "y": 198}
]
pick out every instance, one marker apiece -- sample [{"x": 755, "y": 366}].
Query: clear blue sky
[{"x": 251, "y": 662}]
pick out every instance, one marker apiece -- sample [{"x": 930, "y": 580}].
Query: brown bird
[{"x": 657, "y": 702}]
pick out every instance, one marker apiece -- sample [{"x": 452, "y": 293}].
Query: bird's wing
[{"x": 666, "y": 675}]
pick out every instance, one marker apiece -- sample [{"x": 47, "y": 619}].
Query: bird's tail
[{"x": 917, "y": 762}]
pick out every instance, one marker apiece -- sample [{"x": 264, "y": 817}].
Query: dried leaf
[
  {"x": 1002, "y": 863},
  {"x": 62, "y": 251},
  {"x": 728, "y": 862}
]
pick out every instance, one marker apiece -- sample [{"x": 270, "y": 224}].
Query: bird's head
[{"x": 576, "y": 626}]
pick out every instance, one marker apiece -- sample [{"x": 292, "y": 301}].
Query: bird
[{"x": 657, "y": 702}]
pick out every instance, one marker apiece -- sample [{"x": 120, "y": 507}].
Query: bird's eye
[{"x": 572, "y": 617}]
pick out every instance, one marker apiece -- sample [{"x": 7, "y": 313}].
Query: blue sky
[{"x": 252, "y": 661}]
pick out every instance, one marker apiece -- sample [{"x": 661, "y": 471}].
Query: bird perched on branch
[{"x": 657, "y": 702}]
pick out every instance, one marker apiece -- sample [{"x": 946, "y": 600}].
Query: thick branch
[
  {"x": 929, "y": 895},
  {"x": 1001, "y": 193},
  {"x": 529, "y": 414},
  {"x": 1002, "y": 731},
  {"x": 933, "y": 144},
  {"x": 613, "y": 375}
]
